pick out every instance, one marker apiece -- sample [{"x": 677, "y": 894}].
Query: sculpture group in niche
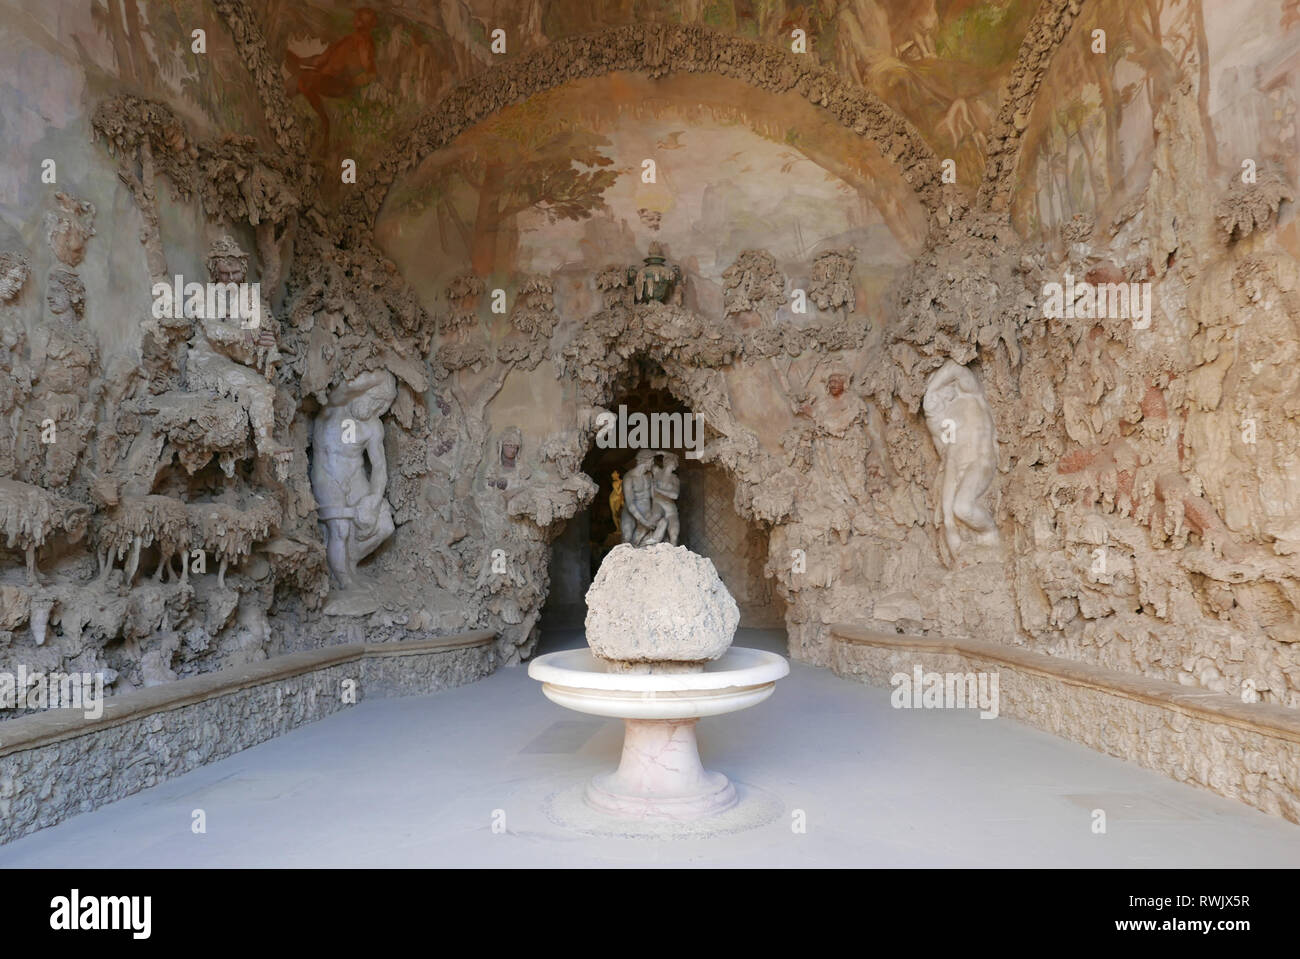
[
  {"x": 650, "y": 490},
  {"x": 961, "y": 425},
  {"x": 354, "y": 515}
]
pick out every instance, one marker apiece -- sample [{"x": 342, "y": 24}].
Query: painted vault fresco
[
  {"x": 1090, "y": 145},
  {"x": 557, "y": 182},
  {"x": 939, "y": 64}
]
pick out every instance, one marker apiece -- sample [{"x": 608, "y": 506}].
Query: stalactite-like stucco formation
[{"x": 926, "y": 452}]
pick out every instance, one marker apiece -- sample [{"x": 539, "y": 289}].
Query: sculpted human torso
[
  {"x": 638, "y": 493},
  {"x": 665, "y": 491},
  {"x": 65, "y": 358},
  {"x": 349, "y": 473},
  {"x": 339, "y": 475},
  {"x": 962, "y": 428},
  {"x": 650, "y": 491}
]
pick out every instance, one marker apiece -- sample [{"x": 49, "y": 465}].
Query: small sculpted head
[
  {"x": 227, "y": 263},
  {"x": 512, "y": 442},
  {"x": 67, "y": 228}
]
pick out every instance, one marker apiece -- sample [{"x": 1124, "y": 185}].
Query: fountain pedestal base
[{"x": 660, "y": 776}]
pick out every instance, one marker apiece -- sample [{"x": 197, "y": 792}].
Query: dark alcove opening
[{"x": 709, "y": 524}]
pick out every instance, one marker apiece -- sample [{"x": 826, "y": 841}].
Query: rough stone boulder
[{"x": 658, "y": 604}]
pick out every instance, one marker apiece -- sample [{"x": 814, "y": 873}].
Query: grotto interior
[{"x": 334, "y": 341}]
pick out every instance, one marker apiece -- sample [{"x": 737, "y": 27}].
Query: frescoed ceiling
[
  {"x": 559, "y": 180},
  {"x": 357, "y": 76},
  {"x": 939, "y": 63}
]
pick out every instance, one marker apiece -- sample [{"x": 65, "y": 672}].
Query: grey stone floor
[{"x": 421, "y": 782}]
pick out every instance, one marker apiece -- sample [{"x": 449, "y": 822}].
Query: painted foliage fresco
[
  {"x": 560, "y": 182},
  {"x": 358, "y": 76},
  {"x": 1090, "y": 144}
]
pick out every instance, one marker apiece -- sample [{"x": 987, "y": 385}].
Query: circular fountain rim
[{"x": 738, "y": 666}]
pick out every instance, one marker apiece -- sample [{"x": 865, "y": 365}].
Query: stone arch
[
  {"x": 656, "y": 365},
  {"x": 657, "y": 49},
  {"x": 609, "y": 345}
]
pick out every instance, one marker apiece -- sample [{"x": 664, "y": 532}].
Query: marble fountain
[{"x": 659, "y": 627}]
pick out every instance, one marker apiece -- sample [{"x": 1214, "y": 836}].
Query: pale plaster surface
[{"x": 417, "y": 782}]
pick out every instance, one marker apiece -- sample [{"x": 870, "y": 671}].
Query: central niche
[{"x": 709, "y": 524}]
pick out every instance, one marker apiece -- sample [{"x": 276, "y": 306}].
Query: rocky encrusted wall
[
  {"x": 956, "y": 461},
  {"x": 1142, "y": 496},
  {"x": 1154, "y": 507},
  {"x": 144, "y": 463},
  {"x": 139, "y": 476}
]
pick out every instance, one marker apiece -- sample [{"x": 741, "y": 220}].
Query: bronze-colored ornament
[{"x": 657, "y": 281}]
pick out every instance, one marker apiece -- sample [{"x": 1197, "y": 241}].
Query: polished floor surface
[{"x": 469, "y": 777}]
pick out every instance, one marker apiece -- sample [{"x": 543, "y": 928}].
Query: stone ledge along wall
[
  {"x": 53, "y": 767},
  {"x": 863, "y": 334},
  {"x": 1246, "y": 752}
]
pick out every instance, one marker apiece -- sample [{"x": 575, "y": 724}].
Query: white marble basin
[
  {"x": 579, "y": 681},
  {"x": 659, "y": 775}
]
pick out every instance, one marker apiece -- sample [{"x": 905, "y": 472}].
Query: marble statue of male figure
[
  {"x": 667, "y": 486},
  {"x": 354, "y": 514},
  {"x": 638, "y": 499}
]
